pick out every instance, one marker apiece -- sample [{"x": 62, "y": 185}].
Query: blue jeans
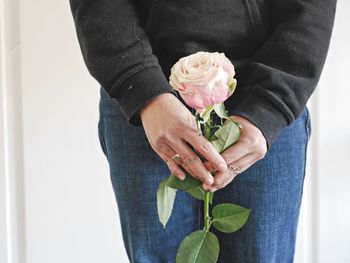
[{"x": 272, "y": 188}]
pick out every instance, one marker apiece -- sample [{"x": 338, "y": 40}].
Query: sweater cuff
[
  {"x": 139, "y": 89},
  {"x": 263, "y": 113}
]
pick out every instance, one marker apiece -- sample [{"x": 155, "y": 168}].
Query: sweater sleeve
[
  {"x": 285, "y": 70},
  {"x": 118, "y": 54}
]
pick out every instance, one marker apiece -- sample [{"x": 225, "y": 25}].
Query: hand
[
  {"x": 168, "y": 126},
  {"x": 250, "y": 148}
]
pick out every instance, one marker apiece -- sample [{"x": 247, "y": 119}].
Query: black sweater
[{"x": 278, "y": 48}]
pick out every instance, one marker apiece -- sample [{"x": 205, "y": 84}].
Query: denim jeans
[{"x": 272, "y": 188}]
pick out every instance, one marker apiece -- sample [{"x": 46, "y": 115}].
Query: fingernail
[{"x": 205, "y": 186}]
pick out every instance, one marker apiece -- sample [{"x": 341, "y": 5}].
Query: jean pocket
[{"x": 101, "y": 139}]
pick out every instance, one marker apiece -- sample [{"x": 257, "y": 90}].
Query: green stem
[
  {"x": 206, "y": 132},
  {"x": 206, "y": 211},
  {"x": 206, "y": 217}
]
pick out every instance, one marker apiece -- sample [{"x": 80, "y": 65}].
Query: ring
[
  {"x": 188, "y": 160},
  {"x": 176, "y": 157},
  {"x": 234, "y": 169}
]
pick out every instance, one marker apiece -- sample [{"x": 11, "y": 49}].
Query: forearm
[
  {"x": 285, "y": 70},
  {"x": 117, "y": 53}
]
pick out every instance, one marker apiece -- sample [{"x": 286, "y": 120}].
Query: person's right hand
[{"x": 168, "y": 125}]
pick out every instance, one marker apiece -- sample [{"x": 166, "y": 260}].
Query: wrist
[{"x": 155, "y": 101}]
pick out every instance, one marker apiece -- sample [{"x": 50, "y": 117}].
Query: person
[{"x": 278, "y": 49}]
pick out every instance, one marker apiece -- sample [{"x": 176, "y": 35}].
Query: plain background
[{"x": 56, "y": 200}]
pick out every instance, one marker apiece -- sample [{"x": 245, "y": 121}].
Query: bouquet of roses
[{"x": 204, "y": 80}]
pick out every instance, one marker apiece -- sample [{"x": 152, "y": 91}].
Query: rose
[{"x": 203, "y": 79}]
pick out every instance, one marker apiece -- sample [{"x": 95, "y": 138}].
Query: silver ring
[
  {"x": 234, "y": 169},
  {"x": 189, "y": 160},
  {"x": 176, "y": 157}
]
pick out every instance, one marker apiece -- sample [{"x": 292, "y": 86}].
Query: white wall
[
  {"x": 71, "y": 214},
  {"x": 333, "y": 145},
  {"x": 12, "y": 220},
  {"x": 56, "y": 200},
  {"x": 325, "y": 231}
]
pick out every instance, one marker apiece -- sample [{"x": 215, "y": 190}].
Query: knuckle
[
  {"x": 186, "y": 122},
  {"x": 157, "y": 147},
  {"x": 164, "y": 137},
  {"x": 255, "y": 142},
  {"x": 233, "y": 170},
  {"x": 261, "y": 151}
]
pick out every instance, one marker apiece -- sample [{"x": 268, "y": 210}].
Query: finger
[
  {"x": 172, "y": 164},
  {"x": 229, "y": 180},
  {"x": 235, "y": 152},
  {"x": 191, "y": 162},
  {"x": 170, "y": 153},
  {"x": 233, "y": 170},
  {"x": 207, "y": 150},
  {"x": 209, "y": 166},
  {"x": 175, "y": 169}
]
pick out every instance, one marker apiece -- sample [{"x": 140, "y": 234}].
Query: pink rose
[{"x": 203, "y": 79}]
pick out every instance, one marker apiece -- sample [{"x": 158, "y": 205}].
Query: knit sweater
[{"x": 278, "y": 48}]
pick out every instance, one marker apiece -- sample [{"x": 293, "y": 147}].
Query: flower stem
[
  {"x": 206, "y": 217},
  {"x": 206, "y": 211}
]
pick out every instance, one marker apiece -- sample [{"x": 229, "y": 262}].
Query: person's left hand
[{"x": 250, "y": 148}]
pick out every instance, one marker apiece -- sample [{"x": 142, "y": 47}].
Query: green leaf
[
  {"x": 206, "y": 114},
  {"x": 213, "y": 138},
  {"x": 198, "y": 193},
  {"x": 233, "y": 85},
  {"x": 165, "y": 201},
  {"x": 199, "y": 247},
  {"x": 227, "y": 135},
  {"x": 229, "y": 218},
  {"x": 220, "y": 110},
  {"x": 188, "y": 183}
]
